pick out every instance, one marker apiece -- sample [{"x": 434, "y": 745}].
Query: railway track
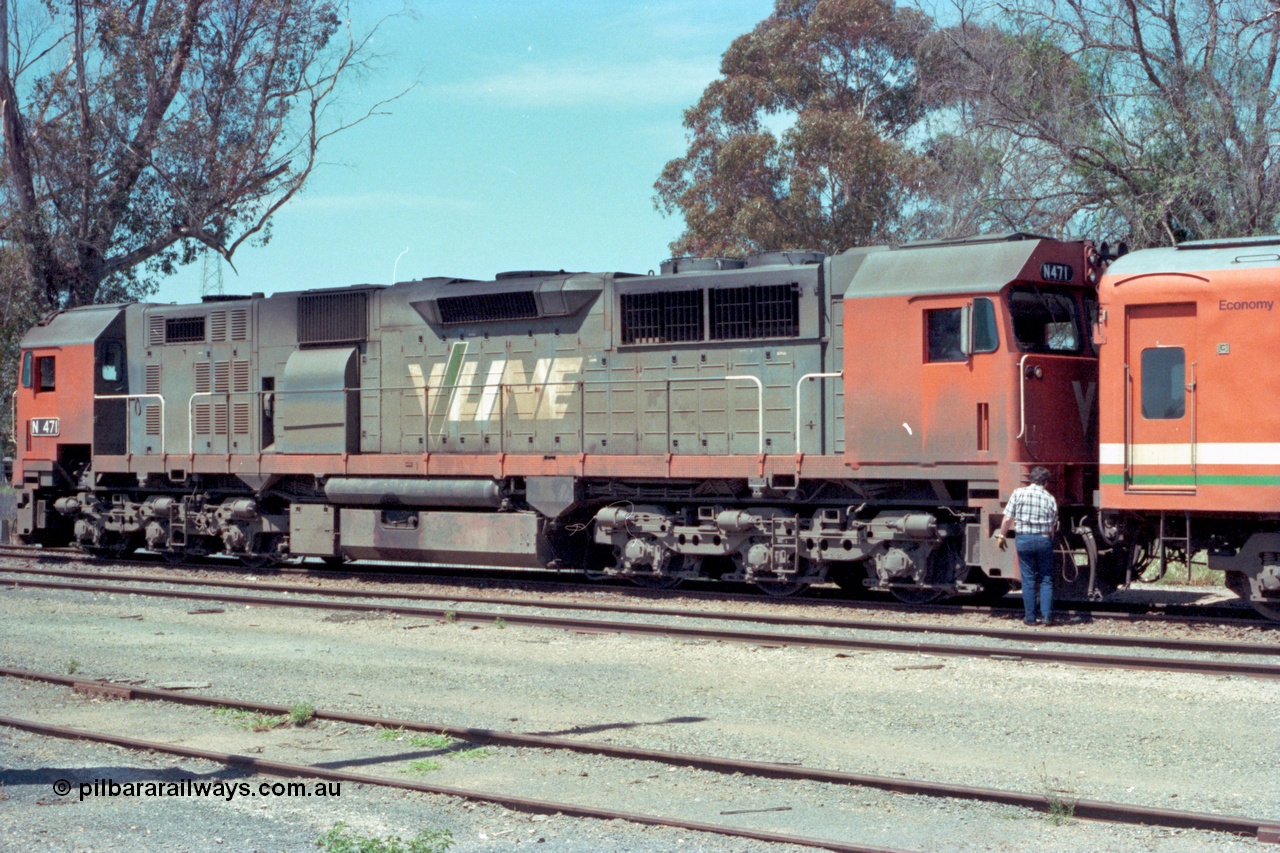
[
  {"x": 1240, "y": 614},
  {"x": 997, "y": 652},
  {"x": 995, "y": 632},
  {"x": 1100, "y": 810}
]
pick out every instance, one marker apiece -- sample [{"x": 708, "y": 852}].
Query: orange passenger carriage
[{"x": 1190, "y": 440}]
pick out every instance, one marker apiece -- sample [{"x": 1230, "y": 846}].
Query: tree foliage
[
  {"x": 1153, "y": 121},
  {"x": 140, "y": 133},
  {"x": 801, "y": 140}
]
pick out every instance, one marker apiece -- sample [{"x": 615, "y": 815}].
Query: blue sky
[{"x": 532, "y": 142}]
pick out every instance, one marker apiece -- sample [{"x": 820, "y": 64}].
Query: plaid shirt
[{"x": 1033, "y": 510}]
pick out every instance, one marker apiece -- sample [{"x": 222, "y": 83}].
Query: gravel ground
[{"x": 1159, "y": 739}]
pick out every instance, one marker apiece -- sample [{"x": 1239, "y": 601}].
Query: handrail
[
  {"x": 759, "y": 405},
  {"x": 1192, "y": 408},
  {"x": 1022, "y": 396},
  {"x": 426, "y": 391},
  {"x": 159, "y": 397},
  {"x": 1128, "y": 428},
  {"x": 803, "y": 379}
]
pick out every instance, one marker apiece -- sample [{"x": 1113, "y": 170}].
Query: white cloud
[{"x": 535, "y": 84}]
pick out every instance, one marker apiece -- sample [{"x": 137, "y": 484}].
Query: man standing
[{"x": 1033, "y": 514}]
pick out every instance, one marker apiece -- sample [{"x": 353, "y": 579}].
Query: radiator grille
[
  {"x": 219, "y": 418},
  {"x": 218, "y": 326},
  {"x": 662, "y": 317},
  {"x": 240, "y": 325},
  {"x": 487, "y": 307},
  {"x": 202, "y": 377},
  {"x": 153, "y": 419},
  {"x": 332, "y": 318},
  {"x": 155, "y": 331},
  {"x": 153, "y": 378},
  {"x": 221, "y": 377},
  {"x": 771, "y": 311},
  {"x": 240, "y": 418},
  {"x": 240, "y": 376},
  {"x": 183, "y": 330},
  {"x": 203, "y": 418}
]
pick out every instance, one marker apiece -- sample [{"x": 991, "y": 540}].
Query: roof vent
[
  {"x": 796, "y": 258},
  {"x": 503, "y": 276},
  {"x": 679, "y": 265}
]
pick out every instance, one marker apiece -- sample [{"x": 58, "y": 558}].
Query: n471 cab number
[{"x": 44, "y": 426}]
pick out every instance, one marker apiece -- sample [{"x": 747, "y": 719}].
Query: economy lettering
[{"x": 1224, "y": 305}]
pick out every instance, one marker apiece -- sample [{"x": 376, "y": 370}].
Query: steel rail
[
  {"x": 1126, "y": 611},
  {"x": 1015, "y": 634},
  {"x": 662, "y": 630},
  {"x": 1101, "y": 810},
  {"x": 268, "y": 767}
]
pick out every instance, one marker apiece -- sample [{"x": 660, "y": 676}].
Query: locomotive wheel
[
  {"x": 993, "y": 589},
  {"x": 849, "y": 577},
  {"x": 655, "y": 581},
  {"x": 112, "y": 548},
  {"x": 907, "y": 595},
  {"x": 781, "y": 589},
  {"x": 1238, "y": 582},
  {"x": 945, "y": 566}
]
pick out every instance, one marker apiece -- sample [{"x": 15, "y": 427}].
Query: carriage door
[{"x": 1160, "y": 404}]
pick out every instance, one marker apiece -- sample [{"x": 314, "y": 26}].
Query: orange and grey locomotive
[{"x": 780, "y": 421}]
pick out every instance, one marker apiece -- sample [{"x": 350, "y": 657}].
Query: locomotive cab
[
  {"x": 69, "y": 405},
  {"x": 968, "y": 363}
]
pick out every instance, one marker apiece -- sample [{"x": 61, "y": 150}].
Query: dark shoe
[{"x": 1029, "y": 622}]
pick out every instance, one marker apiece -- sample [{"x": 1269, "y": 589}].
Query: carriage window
[
  {"x": 44, "y": 373},
  {"x": 944, "y": 334},
  {"x": 1044, "y": 320},
  {"x": 26, "y": 369},
  {"x": 1164, "y": 389}
]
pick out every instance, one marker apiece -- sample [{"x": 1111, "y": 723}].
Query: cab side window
[
  {"x": 943, "y": 332},
  {"x": 45, "y": 373},
  {"x": 985, "y": 337},
  {"x": 26, "y": 369},
  {"x": 112, "y": 369}
]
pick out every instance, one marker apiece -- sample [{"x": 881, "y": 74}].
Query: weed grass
[
  {"x": 340, "y": 839},
  {"x": 419, "y": 741},
  {"x": 1200, "y": 574},
  {"x": 1061, "y": 797},
  {"x": 299, "y": 715},
  {"x": 423, "y": 765}
]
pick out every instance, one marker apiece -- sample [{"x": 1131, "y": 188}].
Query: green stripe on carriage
[{"x": 1189, "y": 482}]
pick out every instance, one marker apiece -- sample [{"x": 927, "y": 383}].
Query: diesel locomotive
[{"x": 782, "y": 420}]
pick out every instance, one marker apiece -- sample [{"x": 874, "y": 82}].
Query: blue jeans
[{"x": 1035, "y": 564}]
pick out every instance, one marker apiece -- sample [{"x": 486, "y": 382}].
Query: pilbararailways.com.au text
[{"x": 198, "y": 788}]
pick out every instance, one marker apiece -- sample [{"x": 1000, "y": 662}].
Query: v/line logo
[{"x": 458, "y": 390}]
